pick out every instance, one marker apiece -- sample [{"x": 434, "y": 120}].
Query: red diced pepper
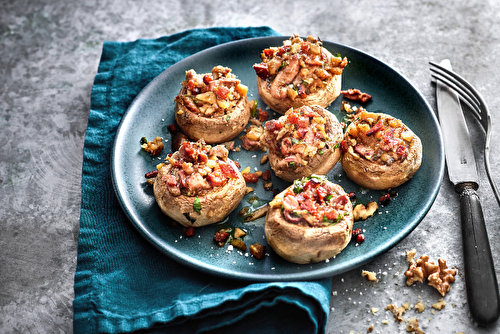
[
  {"x": 263, "y": 116},
  {"x": 302, "y": 91},
  {"x": 344, "y": 146},
  {"x": 268, "y": 53},
  {"x": 227, "y": 170},
  {"x": 262, "y": 70},
  {"x": 250, "y": 177},
  {"x": 207, "y": 78},
  {"x": 282, "y": 50},
  {"x": 202, "y": 157},
  {"x": 321, "y": 192},
  {"x": 189, "y": 232},
  {"x": 190, "y": 85},
  {"x": 216, "y": 179},
  {"x": 222, "y": 92},
  {"x": 273, "y": 125},
  {"x": 304, "y": 47},
  {"x": 173, "y": 128},
  {"x": 303, "y": 122}
]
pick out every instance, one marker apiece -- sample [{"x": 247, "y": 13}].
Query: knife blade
[{"x": 480, "y": 277}]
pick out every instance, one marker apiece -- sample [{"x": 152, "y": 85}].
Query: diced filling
[
  {"x": 197, "y": 168},
  {"x": 153, "y": 147},
  {"x": 315, "y": 202},
  {"x": 298, "y": 68},
  {"x": 297, "y": 136},
  {"x": 378, "y": 138},
  {"x": 211, "y": 94}
]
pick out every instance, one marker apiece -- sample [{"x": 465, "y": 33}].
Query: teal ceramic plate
[{"x": 152, "y": 111}]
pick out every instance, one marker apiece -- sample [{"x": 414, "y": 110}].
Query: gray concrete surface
[{"x": 49, "y": 52}]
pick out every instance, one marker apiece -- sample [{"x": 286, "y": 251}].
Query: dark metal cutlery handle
[{"x": 480, "y": 276}]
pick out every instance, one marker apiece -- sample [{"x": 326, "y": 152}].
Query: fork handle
[{"x": 480, "y": 276}]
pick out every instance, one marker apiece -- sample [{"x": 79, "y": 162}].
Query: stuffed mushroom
[
  {"x": 303, "y": 142},
  {"x": 301, "y": 72},
  {"x": 380, "y": 151},
  {"x": 310, "y": 221},
  {"x": 199, "y": 185},
  {"x": 213, "y": 106}
]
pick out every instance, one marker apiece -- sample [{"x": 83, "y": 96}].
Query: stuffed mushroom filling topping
[
  {"x": 198, "y": 168},
  {"x": 297, "y": 136},
  {"x": 314, "y": 201},
  {"x": 298, "y": 68},
  {"x": 213, "y": 94},
  {"x": 378, "y": 138}
]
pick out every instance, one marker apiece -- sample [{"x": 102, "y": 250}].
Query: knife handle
[{"x": 480, "y": 276}]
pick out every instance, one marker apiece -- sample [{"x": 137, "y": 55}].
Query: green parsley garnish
[
  {"x": 197, "y": 205},
  {"x": 298, "y": 185},
  {"x": 339, "y": 218},
  {"x": 320, "y": 152},
  {"x": 144, "y": 140},
  {"x": 254, "y": 108}
]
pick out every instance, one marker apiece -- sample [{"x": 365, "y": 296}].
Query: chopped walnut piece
[
  {"x": 439, "y": 305},
  {"x": 412, "y": 326},
  {"x": 370, "y": 329},
  {"x": 346, "y": 106},
  {"x": 264, "y": 159},
  {"x": 374, "y": 310},
  {"x": 362, "y": 212},
  {"x": 248, "y": 190},
  {"x": 257, "y": 250},
  {"x": 154, "y": 147},
  {"x": 396, "y": 311},
  {"x": 438, "y": 275},
  {"x": 441, "y": 280},
  {"x": 419, "y": 270},
  {"x": 419, "y": 306},
  {"x": 238, "y": 243},
  {"x": 385, "y": 322},
  {"x": 252, "y": 140},
  {"x": 410, "y": 255},
  {"x": 238, "y": 232},
  {"x": 229, "y": 145},
  {"x": 371, "y": 276}
]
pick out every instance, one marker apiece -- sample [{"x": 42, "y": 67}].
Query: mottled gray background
[{"x": 49, "y": 53}]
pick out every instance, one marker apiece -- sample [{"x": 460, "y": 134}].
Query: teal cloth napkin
[{"x": 122, "y": 283}]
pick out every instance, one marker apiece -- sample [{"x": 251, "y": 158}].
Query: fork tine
[
  {"x": 459, "y": 81},
  {"x": 466, "y": 92},
  {"x": 479, "y": 108}
]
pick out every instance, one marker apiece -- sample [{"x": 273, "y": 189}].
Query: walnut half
[
  {"x": 441, "y": 279},
  {"x": 362, "y": 212},
  {"x": 438, "y": 275}
]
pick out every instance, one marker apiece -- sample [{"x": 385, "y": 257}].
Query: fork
[{"x": 471, "y": 97}]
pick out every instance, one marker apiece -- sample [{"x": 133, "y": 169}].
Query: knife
[{"x": 480, "y": 277}]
